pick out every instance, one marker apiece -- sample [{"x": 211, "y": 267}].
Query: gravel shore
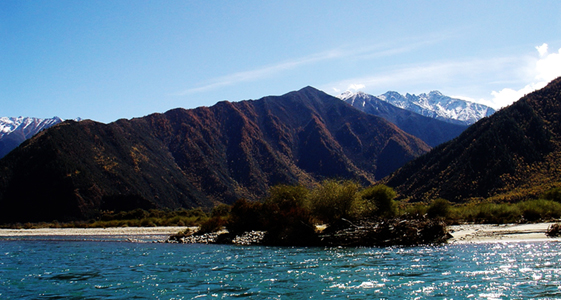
[
  {"x": 470, "y": 233},
  {"x": 91, "y": 231},
  {"x": 484, "y": 233}
]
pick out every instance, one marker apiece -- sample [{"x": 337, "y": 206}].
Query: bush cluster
[
  {"x": 290, "y": 212},
  {"x": 133, "y": 218},
  {"x": 293, "y": 210}
]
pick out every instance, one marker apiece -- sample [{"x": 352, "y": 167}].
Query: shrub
[
  {"x": 381, "y": 197},
  {"x": 283, "y": 215},
  {"x": 286, "y": 217},
  {"x": 494, "y": 213},
  {"x": 534, "y": 210},
  {"x": 147, "y": 223},
  {"x": 439, "y": 208},
  {"x": 553, "y": 194},
  {"x": 333, "y": 200},
  {"x": 213, "y": 224},
  {"x": 416, "y": 210},
  {"x": 221, "y": 210},
  {"x": 245, "y": 216},
  {"x": 288, "y": 196}
]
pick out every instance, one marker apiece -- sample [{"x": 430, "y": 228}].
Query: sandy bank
[
  {"x": 130, "y": 234},
  {"x": 91, "y": 231},
  {"x": 482, "y": 233},
  {"x": 471, "y": 233}
]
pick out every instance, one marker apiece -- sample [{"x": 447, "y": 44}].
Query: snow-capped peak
[
  {"x": 438, "y": 106},
  {"x": 28, "y": 126},
  {"x": 346, "y": 95},
  {"x": 434, "y": 104},
  {"x": 13, "y": 131}
]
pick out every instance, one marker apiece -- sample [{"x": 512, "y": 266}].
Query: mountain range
[
  {"x": 438, "y": 106},
  {"x": 13, "y": 131},
  {"x": 198, "y": 157},
  {"x": 512, "y": 155},
  {"x": 431, "y": 130},
  {"x": 232, "y": 150}
]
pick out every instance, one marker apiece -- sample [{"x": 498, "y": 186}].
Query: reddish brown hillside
[{"x": 198, "y": 157}]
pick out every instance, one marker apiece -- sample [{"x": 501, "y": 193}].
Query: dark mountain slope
[
  {"x": 432, "y": 131},
  {"x": 514, "y": 154},
  {"x": 197, "y": 157}
]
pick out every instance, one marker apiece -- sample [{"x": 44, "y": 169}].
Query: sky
[{"x": 107, "y": 60}]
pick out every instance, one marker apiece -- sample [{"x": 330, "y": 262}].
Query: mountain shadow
[
  {"x": 431, "y": 130},
  {"x": 198, "y": 157},
  {"x": 512, "y": 155}
]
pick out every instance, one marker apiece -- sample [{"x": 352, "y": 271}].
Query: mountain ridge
[
  {"x": 198, "y": 157},
  {"x": 15, "y": 130},
  {"x": 438, "y": 106},
  {"x": 431, "y": 130},
  {"x": 512, "y": 155}
]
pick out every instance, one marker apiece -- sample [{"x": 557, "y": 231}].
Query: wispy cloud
[
  {"x": 263, "y": 72},
  {"x": 530, "y": 72},
  {"x": 347, "y": 52},
  {"x": 434, "y": 73}
]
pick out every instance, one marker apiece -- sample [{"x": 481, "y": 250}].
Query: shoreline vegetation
[{"x": 349, "y": 214}]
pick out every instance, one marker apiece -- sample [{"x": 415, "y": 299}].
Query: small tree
[
  {"x": 553, "y": 194},
  {"x": 220, "y": 210},
  {"x": 286, "y": 217},
  {"x": 439, "y": 208},
  {"x": 333, "y": 200},
  {"x": 381, "y": 197},
  {"x": 288, "y": 196},
  {"x": 245, "y": 216}
]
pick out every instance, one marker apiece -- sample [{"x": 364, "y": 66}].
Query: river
[{"x": 71, "y": 268}]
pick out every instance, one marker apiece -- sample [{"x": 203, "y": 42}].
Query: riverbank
[
  {"x": 468, "y": 233},
  {"x": 121, "y": 234},
  {"x": 484, "y": 233},
  {"x": 132, "y": 231}
]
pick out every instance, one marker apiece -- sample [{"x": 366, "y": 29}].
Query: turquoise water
[{"x": 70, "y": 269}]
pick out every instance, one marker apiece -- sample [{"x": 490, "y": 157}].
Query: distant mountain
[
  {"x": 438, "y": 106},
  {"x": 13, "y": 131},
  {"x": 432, "y": 131},
  {"x": 198, "y": 157},
  {"x": 512, "y": 155}
]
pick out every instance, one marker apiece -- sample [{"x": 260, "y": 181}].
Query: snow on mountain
[
  {"x": 355, "y": 98},
  {"x": 438, "y": 106},
  {"x": 26, "y": 125},
  {"x": 14, "y": 131},
  {"x": 431, "y": 130}
]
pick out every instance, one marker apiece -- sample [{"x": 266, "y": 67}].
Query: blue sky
[{"x": 105, "y": 60}]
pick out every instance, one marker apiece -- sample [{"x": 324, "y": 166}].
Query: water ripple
[{"x": 115, "y": 270}]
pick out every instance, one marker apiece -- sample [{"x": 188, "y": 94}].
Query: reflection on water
[{"x": 47, "y": 269}]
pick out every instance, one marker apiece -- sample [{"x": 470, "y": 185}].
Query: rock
[
  {"x": 394, "y": 232},
  {"x": 554, "y": 230}
]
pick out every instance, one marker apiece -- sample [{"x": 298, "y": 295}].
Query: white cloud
[
  {"x": 435, "y": 74},
  {"x": 547, "y": 68},
  {"x": 507, "y": 96},
  {"x": 542, "y": 49},
  {"x": 355, "y": 87},
  {"x": 531, "y": 73}
]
